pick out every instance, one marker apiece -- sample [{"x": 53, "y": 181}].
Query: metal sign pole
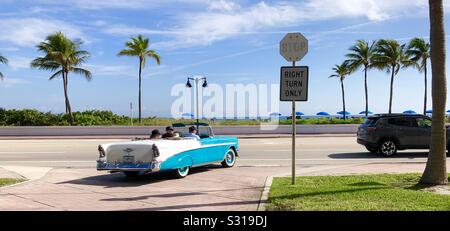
[{"x": 294, "y": 133}]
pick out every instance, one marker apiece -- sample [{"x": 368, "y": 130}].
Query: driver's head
[{"x": 192, "y": 129}]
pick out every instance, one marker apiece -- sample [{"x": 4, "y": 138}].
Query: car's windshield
[{"x": 203, "y": 131}]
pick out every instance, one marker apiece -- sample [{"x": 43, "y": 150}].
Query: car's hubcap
[
  {"x": 388, "y": 148},
  {"x": 230, "y": 158},
  {"x": 183, "y": 171}
]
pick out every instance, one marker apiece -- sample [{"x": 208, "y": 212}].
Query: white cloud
[
  {"x": 30, "y": 31},
  {"x": 227, "y": 19},
  {"x": 18, "y": 62},
  {"x": 11, "y": 82},
  {"x": 119, "y": 4},
  {"x": 223, "y": 5},
  {"x": 111, "y": 70}
]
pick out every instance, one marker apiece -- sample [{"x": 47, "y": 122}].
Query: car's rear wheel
[
  {"x": 182, "y": 172},
  {"x": 131, "y": 173},
  {"x": 388, "y": 148},
  {"x": 372, "y": 150},
  {"x": 230, "y": 158}
]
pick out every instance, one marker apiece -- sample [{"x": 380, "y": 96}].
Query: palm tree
[
  {"x": 361, "y": 56},
  {"x": 436, "y": 168},
  {"x": 419, "y": 51},
  {"x": 62, "y": 56},
  {"x": 341, "y": 71},
  {"x": 139, "y": 47},
  {"x": 4, "y": 61},
  {"x": 391, "y": 57}
]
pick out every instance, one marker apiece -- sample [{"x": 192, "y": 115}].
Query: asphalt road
[{"x": 253, "y": 152}]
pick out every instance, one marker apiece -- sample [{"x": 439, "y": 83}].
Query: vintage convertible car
[{"x": 177, "y": 154}]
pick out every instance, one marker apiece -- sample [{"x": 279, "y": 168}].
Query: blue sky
[{"x": 226, "y": 41}]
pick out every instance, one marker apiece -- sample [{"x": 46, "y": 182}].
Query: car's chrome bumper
[{"x": 153, "y": 166}]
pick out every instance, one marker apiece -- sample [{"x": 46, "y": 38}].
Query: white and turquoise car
[{"x": 177, "y": 155}]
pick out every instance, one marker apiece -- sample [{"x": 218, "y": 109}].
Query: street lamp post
[{"x": 197, "y": 80}]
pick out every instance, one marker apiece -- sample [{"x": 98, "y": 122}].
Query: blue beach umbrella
[
  {"x": 410, "y": 112},
  {"x": 187, "y": 115},
  {"x": 364, "y": 112},
  {"x": 275, "y": 114},
  {"x": 322, "y": 113},
  {"x": 342, "y": 112},
  {"x": 299, "y": 113}
]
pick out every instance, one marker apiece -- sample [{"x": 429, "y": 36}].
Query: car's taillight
[{"x": 371, "y": 129}]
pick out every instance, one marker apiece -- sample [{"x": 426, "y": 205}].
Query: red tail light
[{"x": 371, "y": 129}]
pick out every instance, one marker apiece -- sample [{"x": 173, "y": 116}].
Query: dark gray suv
[{"x": 387, "y": 133}]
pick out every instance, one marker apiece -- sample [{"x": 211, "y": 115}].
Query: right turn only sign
[{"x": 294, "y": 83}]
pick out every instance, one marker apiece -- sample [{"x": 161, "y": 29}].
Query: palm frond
[
  {"x": 3, "y": 60},
  {"x": 83, "y": 72},
  {"x": 60, "y": 53},
  {"x": 56, "y": 74},
  {"x": 154, "y": 55}
]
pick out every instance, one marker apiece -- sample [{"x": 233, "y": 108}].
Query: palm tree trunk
[
  {"x": 436, "y": 169},
  {"x": 64, "y": 88},
  {"x": 343, "y": 98},
  {"x": 66, "y": 96},
  {"x": 140, "y": 85},
  {"x": 425, "y": 95},
  {"x": 366, "y": 90},
  {"x": 392, "y": 89}
]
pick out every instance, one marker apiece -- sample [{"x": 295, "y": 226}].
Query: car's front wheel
[
  {"x": 388, "y": 148},
  {"x": 230, "y": 158},
  {"x": 182, "y": 172}
]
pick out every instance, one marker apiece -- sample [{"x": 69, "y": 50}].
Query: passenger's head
[
  {"x": 193, "y": 129},
  {"x": 155, "y": 134},
  {"x": 169, "y": 129}
]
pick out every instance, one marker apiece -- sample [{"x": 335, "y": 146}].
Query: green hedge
[{"x": 28, "y": 117}]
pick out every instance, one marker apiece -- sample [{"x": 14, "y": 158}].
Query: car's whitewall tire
[{"x": 230, "y": 158}]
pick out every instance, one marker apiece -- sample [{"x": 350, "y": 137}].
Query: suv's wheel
[
  {"x": 372, "y": 150},
  {"x": 388, "y": 148}
]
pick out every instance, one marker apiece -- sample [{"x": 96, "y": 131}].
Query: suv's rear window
[{"x": 371, "y": 120}]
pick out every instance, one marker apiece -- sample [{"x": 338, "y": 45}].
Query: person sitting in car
[
  {"x": 169, "y": 132},
  {"x": 192, "y": 133},
  {"x": 155, "y": 134}
]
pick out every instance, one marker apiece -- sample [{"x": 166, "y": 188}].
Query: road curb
[{"x": 265, "y": 194}]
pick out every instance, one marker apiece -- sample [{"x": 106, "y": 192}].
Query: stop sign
[{"x": 293, "y": 47}]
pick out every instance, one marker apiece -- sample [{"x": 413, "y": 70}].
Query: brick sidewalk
[{"x": 207, "y": 188}]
